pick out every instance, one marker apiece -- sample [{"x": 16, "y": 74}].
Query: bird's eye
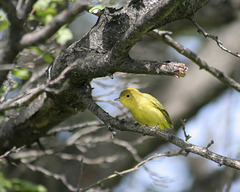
[{"x": 127, "y": 95}]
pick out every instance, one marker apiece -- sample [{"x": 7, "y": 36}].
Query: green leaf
[
  {"x": 19, "y": 185},
  {"x": 23, "y": 73},
  {"x": 15, "y": 86},
  {"x": 185, "y": 2},
  {"x": 26, "y": 186},
  {"x": 3, "y": 89},
  {"x": 49, "y": 11},
  {"x": 48, "y": 58},
  {"x": 45, "y": 10},
  {"x": 96, "y": 8},
  {"x": 41, "y": 5},
  {"x": 64, "y": 35},
  {"x": 103, "y": 4},
  {"x": 4, "y": 23},
  {"x": 111, "y": 3},
  {"x": 40, "y": 51}
]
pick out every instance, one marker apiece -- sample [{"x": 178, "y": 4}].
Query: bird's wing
[{"x": 159, "y": 106}]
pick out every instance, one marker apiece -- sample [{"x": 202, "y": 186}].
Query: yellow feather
[{"x": 145, "y": 108}]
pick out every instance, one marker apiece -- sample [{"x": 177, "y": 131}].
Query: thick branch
[
  {"x": 152, "y": 131},
  {"x": 92, "y": 56},
  {"x": 159, "y": 10},
  {"x": 9, "y": 8},
  {"x": 154, "y": 15},
  {"x": 98, "y": 65},
  {"x": 44, "y": 112},
  {"x": 153, "y": 67}
]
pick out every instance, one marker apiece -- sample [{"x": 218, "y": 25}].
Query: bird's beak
[{"x": 117, "y": 99}]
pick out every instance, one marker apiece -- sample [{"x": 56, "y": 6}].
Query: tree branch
[
  {"x": 38, "y": 36},
  {"x": 9, "y": 8},
  {"x": 151, "y": 131},
  {"x": 48, "y": 173},
  {"x": 213, "y": 37},
  {"x": 151, "y": 15},
  {"x": 136, "y": 167},
  {"x": 92, "y": 56},
  {"x": 194, "y": 57},
  {"x": 153, "y": 67},
  {"x": 23, "y": 8},
  {"x": 29, "y": 95},
  {"x": 157, "y": 11},
  {"x": 18, "y": 40}
]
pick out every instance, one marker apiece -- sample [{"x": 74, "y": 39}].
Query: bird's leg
[{"x": 143, "y": 125}]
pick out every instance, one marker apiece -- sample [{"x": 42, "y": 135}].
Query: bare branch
[
  {"x": 13, "y": 150},
  {"x": 9, "y": 8},
  {"x": 187, "y": 137},
  {"x": 117, "y": 174},
  {"x": 80, "y": 176},
  {"x": 48, "y": 173},
  {"x": 129, "y": 148},
  {"x": 151, "y": 131},
  {"x": 209, "y": 144},
  {"x": 193, "y": 56},
  {"x": 31, "y": 94},
  {"x": 22, "y": 99},
  {"x": 7, "y": 67},
  {"x": 153, "y": 67},
  {"x": 31, "y": 155},
  {"x": 9, "y": 84},
  {"x": 213, "y": 37},
  {"x": 94, "y": 124},
  {"x": 71, "y": 140}
]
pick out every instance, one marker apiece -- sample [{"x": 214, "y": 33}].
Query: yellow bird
[{"x": 146, "y": 109}]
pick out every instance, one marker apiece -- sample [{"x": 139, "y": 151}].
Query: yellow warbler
[{"x": 145, "y": 108}]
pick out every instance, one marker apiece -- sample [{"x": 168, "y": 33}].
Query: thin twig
[
  {"x": 32, "y": 155},
  {"x": 79, "y": 126},
  {"x": 9, "y": 84},
  {"x": 117, "y": 174},
  {"x": 80, "y": 176},
  {"x": 209, "y": 144},
  {"x": 13, "y": 150},
  {"x": 213, "y": 37},
  {"x": 187, "y": 137},
  {"x": 28, "y": 96},
  {"x": 194, "y": 57},
  {"x": 129, "y": 148},
  {"x": 80, "y": 133},
  {"x": 48, "y": 173},
  {"x": 38, "y": 36}
]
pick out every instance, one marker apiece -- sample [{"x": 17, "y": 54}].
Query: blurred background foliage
[{"x": 212, "y": 109}]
